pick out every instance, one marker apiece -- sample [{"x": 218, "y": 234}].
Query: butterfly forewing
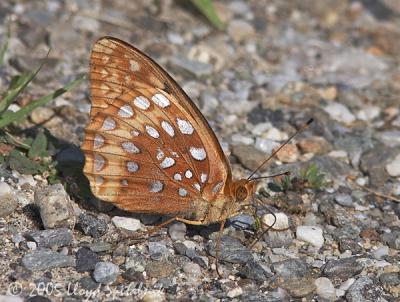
[{"x": 147, "y": 147}]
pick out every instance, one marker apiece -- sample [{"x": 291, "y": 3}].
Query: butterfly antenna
[
  {"x": 280, "y": 148},
  {"x": 266, "y": 230}
]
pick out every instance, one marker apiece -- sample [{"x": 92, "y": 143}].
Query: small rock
[
  {"x": 344, "y": 200},
  {"x": 342, "y": 269},
  {"x": 159, "y": 269},
  {"x": 368, "y": 113},
  {"x": 133, "y": 276},
  {"x": 390, "y": 138},
  {"x": 177, "y": 231},
  {"x": 275, "y": 134},
  {"x": 255, "y": 271},
  {"x": 279, "y": 239},
  {"x": 51, "y": 238},
  {"x": 315, "y": 144},
  {"x": 126, "y": 223},
  {"x": 91, "y": 225},
  {"x": 365, "y": 289},
  {"x": 89, "y": 284},
  {"x": 153, "y": 296},
  {"x": 381, "y": 252},
  {"x": 280, "y": 224},
  {"x": 288, "y": 154},
  {"x": 45, "y": 116},
  {"x": 158, "y": 250},
  {"x": 249, "y": 156},
  {"x": 8, "y": 200},
  {"x": 105, "y": 272},
  {"x": 198, "y": 69},
  {"x": 56, "y": 209},
  {"x": 99, "y": 247},
  {"x": 232, "y": 250},
  {"x": 310, "y": 234},
  {"x": 86, "y": 260},
  {"x": 390, "y": 279},
  {"x": 192, "y": 269},
  {"x": 348, "y": 244},
  {"x": 242, "y": 221},
  {"x": 240, "y": 30},
  {"x": 325, "y": 289},
  {"x": 235, "y": 292},
  {"x": 45, "y": 259},
  {"x": 393, "y": 167},
  {"x": 339, "y": 112}
]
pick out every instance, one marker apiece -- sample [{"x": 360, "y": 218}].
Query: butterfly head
[{"x": 242, "y": 191}]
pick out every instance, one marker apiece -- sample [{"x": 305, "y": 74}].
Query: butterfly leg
[
  {"x": 218, "y": 247},
  {"x": 187, "y": 221}
]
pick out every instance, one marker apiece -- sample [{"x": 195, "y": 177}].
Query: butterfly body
[{"x": 148, "y": 148}]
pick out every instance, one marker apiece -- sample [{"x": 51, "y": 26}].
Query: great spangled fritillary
[{"x": 148, "y": 148}]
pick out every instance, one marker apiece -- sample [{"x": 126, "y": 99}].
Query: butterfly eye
[{"x": 241, "y": 193}]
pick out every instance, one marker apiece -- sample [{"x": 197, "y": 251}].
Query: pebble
[
  {"x": 390, "y": 138},
  {"x": 158, "y": 250},
  {"x": 235, "y": 292},
  {"x": 381, "y": 252},
  {"x": 339, "y": 112},
  {"x": 255, "y": 271},
  {"x": 325, "y": 289},
  {"x": 242, "y": 221},
  {"x": 240, "y": 30},
  {"x": 177, "y": 231},
  {"x": 365, "y": 289},
  {"x": 51, "y": 238},
  {"x": 288, "y": 154},
  {"x": 159, "y": 269},
  {"x": 43, "y": 259},
  {"x": 342, "y": 269},
  {"x": 393, "y": 167},
  {"x": 192, "y": 269},
  {"x": 275, "y": 134},
  {"x": 390, "y": 279},
  {"x": 368, "y": 113},
  {"x": 8, "y": 200},
  {"x": 86, "y": 260},
  {"x": 153, "y": 296},
  {"x": 232, "y": 250},
  {"x": 91, "y": 225},
  {"x": 126, "y": 223},
  {"x": 55, "y": 206},
  {"x": 242, "y": 153},
  {"x": 344, "y": 200},
  {"x": 105, "y": 272},
  {"x": 199, "y": 69},
  {"x": 281, "y": 223},
  {"x": 315, "y": 144},
  {"x": 310, "y": 234}
]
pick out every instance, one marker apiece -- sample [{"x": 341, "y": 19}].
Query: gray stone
[
  {"x": 91, "y": 225},
  {"x": 255, "y": 271},
  {"x": 45, "y": 259},
  {"x": 342, "y": 269},
  {"x": 192, "y": 269},
  {"x": 55, "y": 206},
  {"x": 365, "y": 289},
  {"x": 392, "y": 239},
  {"x": 232, "y": 250},
  {"x": 158, "y": 250},
  {"x": 242, "y": 221},
  {"x": 390, "y": 279},
  {"x": 86, "y": 260},
  {"x": 249, "y": 156},
  {"x": 199, "y": 69},
  {"x": 105, "y": 272},
  {"x": 51, "y": 238},
  {"x": 344, "y": 200},
  {"x": 177, "y": 231}
]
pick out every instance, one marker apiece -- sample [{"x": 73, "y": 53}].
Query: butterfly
[{"x": 148, "y": 148}]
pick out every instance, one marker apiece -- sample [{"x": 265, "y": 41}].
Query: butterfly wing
[{"x": 147, "y": 147}]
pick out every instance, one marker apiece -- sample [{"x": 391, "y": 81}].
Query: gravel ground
[{"x": 275, "y": 65}]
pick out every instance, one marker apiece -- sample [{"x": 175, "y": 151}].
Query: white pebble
[
  {"x": 126, "y": 223},
  {"x": 235, "y": 292},
  {"x": 276, "y": 135},
  {"x": 281, "y": 223},
  {"x": 325, "y": 289},
  {"x": 393, "y": 168},
  {"x": 5, "y": 189},
  {"x": 339, "y": 112},
  {"x": 310, "y": 234}
]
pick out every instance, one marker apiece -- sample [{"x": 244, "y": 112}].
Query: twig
[{"x": 375, "y": 192}]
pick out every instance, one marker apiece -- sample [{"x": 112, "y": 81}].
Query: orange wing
[{"x": 147, "y": 147}]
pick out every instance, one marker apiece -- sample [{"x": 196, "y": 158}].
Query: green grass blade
[
  {"x": 14, "y": 116},
  {"x": 207, "y": 9},
  {"x": 17, "y": 86}
]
